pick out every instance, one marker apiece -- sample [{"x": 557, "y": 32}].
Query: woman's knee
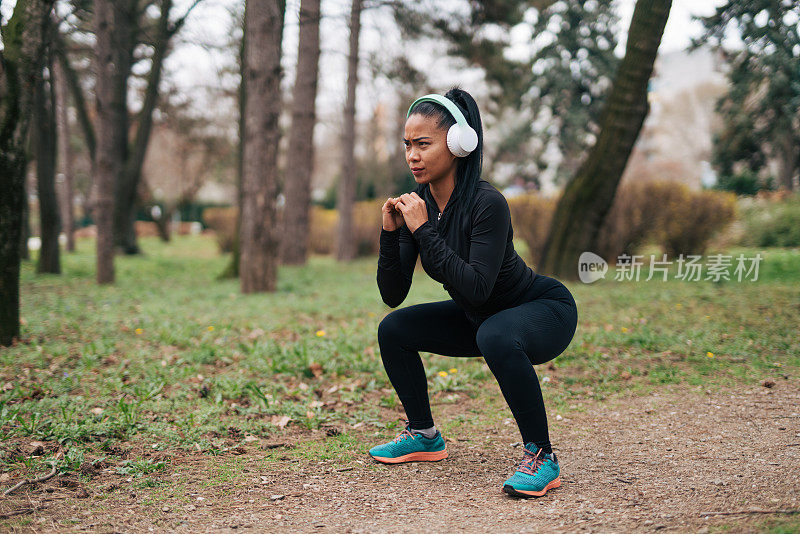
[
  {"x": 495, "y": 342},
  {"x": 390, "y": 327}
]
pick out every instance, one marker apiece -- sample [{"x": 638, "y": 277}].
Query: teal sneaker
[
  {"x": 537, "y": 473},
  {"x": 410, "y": 447}
]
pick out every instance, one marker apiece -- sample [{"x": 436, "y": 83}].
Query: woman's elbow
[
  {"x": 480, "y": 296},
  {"x": 392, "y": 303}
]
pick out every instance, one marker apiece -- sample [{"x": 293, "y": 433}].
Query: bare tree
[
  {"x": 43, "y": 134},
  {"x": 65, "y": 155},
  {"x": 346, "y": 246},
  {"x": 133, "y": 26},
  {"x": 300, "y": 159},
  {"x": 258, "y": 241},
  {"x": 588, "y": 197},
  {"x": 24, "y": 39}
]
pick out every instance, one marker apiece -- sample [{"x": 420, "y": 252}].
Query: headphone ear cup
[
  {"x": 468, "y": 138},
  {"x": 455, "y": 141}
]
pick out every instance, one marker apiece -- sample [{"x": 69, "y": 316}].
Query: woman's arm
[
  {"x": 396, "y": 261},
  {"x": 473, "y": 279}
]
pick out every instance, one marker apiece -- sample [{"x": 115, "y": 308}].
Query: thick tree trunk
[
  {"x": 300, "y": 160},
  {"x": 44, "y": 142},
  {"x": 65, "y": 155},
  {"x": 20, "y": 65},
  {"x": 259, "y": 242},
  {"x": 111, "y": 135},
  {"x": 346, "y": 245},
  {"x": 588, "y": 197}
]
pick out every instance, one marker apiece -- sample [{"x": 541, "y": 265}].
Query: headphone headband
[{"x": 446, "y": 102}]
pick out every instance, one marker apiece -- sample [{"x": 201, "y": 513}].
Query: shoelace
[
  {"x": 402, "y": 435},
  {"x": 531, "y": 462}
]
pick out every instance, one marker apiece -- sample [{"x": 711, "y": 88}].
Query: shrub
[
  {"x": 323, "y": 227},
  {"x": 770, "y": 223},
  {"x": 665, "y": 213},
  {"x": 223, "y": 222},
  {"x": 689, "y": 226},
  {"x": 366, "y": 228},
  {"x": 531, "y": 216}
]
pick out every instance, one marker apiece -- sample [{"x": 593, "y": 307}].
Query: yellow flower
[
  {"x": 442, "y": 373},
  {"x": 138, "y": 331},
  {"x": 708, "y": 317},
  {"x": 710, "y": 354},
  {"x": 624, "y": 329},
  {"x": 320, "y": 333},
  {"x": 678, "y": 305},
  {"x": 210, "y": 328},
  {"x": 453, "y": 369}
]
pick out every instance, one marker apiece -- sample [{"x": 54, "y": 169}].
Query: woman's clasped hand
[{"x": 408, "y": 209}]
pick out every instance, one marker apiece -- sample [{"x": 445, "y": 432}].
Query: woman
[{"x": 460, "y": 226}]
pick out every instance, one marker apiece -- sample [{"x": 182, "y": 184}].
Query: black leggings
[{"x": 511, "y": 341}]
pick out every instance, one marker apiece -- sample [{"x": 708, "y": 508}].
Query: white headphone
[{"x": 461, "y": 138}]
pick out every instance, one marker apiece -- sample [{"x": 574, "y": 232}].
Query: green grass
[{"x": 170, "y": 357}]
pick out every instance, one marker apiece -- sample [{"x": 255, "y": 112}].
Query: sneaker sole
[
  {"x": 414, "y": 457},
  {"x": 555, "y": 483}
]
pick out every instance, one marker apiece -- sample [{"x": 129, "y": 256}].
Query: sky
[
  {"x": 196, "y": 65},
  {"x": 192, "y": 66}
]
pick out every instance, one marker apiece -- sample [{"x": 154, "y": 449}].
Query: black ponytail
[{"x": 468, "y": 170}]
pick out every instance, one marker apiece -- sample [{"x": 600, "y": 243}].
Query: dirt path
[{"x": 658, "y": 462}]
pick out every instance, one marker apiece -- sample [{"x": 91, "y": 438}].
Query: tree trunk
[
  {"x": 20, "y": 65},
  {"x": 588, "y": 197},
  {"x": 111, "y": 135},
  {"x": 232, "y": 269},
  {"x": 259, "y": 243},
  {"x": 121, "y": 50},
  {"x": 44, "y": 142},
  {"x": 127, "y": 201},
  {"x": 346, "y": 245},
  {"x": 300, "y": 159},
  {"x": 65, "y": 155},
  {"x": 25, "y": 233},
  {"x": 70, "y": 78},
  {"x": 787, "y": 161}
]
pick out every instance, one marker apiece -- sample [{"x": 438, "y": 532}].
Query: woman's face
[{"x": 427, "y": 154}]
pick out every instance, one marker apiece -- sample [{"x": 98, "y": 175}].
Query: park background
[{"x": 174, "y": 365}]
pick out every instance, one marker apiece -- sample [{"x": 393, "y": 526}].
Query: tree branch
[
  {"x": 77, "y": 95},
  {"x": 176, "y": 26},
  {"x": 48, "y": 476}
]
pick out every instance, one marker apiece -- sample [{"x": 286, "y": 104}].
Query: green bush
[{"x": 773, "y": 224}]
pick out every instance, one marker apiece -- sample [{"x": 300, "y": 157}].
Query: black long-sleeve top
[{"x": 473, "y": 259}]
